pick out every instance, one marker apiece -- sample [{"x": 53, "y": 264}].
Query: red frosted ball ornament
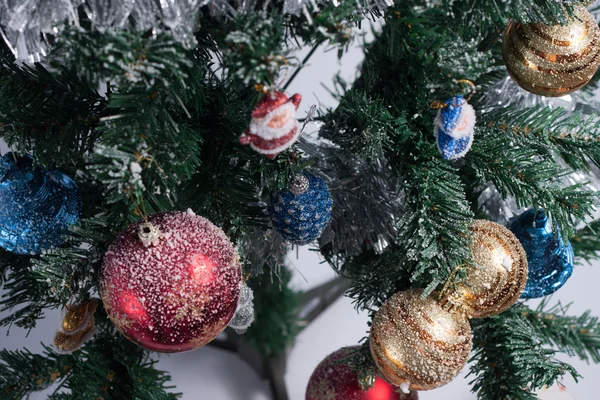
[
  {"x": 330, "y": 381},
  {"x": 172, "y": 283}
]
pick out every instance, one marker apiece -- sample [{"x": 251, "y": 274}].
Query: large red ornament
[
  {"x": 331, "y": 381},
  {"x": 171, "y": 284},
  {"x": 274, "y": 126}
]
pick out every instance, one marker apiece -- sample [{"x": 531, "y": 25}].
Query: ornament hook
[{"x": 438, "y": 104}]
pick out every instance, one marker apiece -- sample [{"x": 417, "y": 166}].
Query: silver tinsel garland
[
  {"x": 506, "y": 92},
  {"x": 28, "y": 26},
  {"x": 365, "y": 199},
  {"x": 292, "y": 7}
]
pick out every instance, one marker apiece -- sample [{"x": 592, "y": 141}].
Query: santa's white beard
[{"x": 260, "y": 126}]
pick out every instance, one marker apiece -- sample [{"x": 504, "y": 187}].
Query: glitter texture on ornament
[
  {"x": 77, "y": 327},
  {"x": 553, "y": 60},
  {"x": 333, "y": 380},
  {"x": 301, "y": 218},
  {"x": 274, "y": 127},
  {"x": 418, "y": 344},
  {"x": 38, "y": 205},
  {"x": 244, "y": 313},
  {"x": 178, "y": 294},
  {"x": 455, "y": 128},
  {"x": 550, "y": 257},
  {"x": 498, "y": 276}
]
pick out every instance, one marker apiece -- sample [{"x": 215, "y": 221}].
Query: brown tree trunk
[{"x": 413, "y": 395}]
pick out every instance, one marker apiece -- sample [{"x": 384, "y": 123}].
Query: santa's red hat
[{"x": 273, "y": 101}]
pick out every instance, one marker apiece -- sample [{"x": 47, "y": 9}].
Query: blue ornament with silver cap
[
  {"x": 36, "y": 205},
  {"x": 302, "y": 212},
  {"x": 455, "y": 128},
  {"x": 550, "y": 258}
]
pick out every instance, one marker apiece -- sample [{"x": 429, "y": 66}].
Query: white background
[{"x": 213, "y": 374}]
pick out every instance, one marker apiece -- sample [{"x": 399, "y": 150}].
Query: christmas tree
[{"x": 159, "y": 172}]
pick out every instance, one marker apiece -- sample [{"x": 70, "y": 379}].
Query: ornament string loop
[
  {"x": 471, "y": 84},
  {"x": 438, "y": 104}
]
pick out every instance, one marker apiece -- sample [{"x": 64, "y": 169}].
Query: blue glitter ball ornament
[
  {"x": 454, "y": 128},
  {"x": 550, "y": 258},
  {"x": 301, "y": 213},
  {"x": 36, "y": 205}
]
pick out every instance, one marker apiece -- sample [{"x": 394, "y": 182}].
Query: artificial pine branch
[
  {"x": 24, "y": 297},
  {"x": 496, "y": 14},
  {"x": 109, "y": 367},
  {"x": 510, "y": 359},
  {"x": 44, "y": 112},
  {"x": 586, "y": 242},
  {"x": 529, "y": 173},
  {"x": 574, "y": 335}
]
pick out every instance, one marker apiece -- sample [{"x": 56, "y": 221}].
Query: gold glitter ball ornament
[
  {"x": 77, "y": 327},
  {"x": 418, "y": 345},
  {"x": 553, "y": 60},
  {"x": 78, "y": 315},
  {"x": 497, "y": 279}
]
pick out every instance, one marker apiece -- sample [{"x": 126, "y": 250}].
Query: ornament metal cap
[
  {"x": 149, "y": 234},
  {"x": 299, "y": 184},
  {"x": 540, "y": 219}
]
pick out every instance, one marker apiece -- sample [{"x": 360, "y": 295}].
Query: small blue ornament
[
  {"x": 36, "y": 206},
  {"x": 301, "y": 213},
  {"x": 455, "y": 128},
  {"x": 550, "y": 258}
]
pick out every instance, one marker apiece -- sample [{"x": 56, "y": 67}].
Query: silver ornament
[{"x": 244, "y": 314}]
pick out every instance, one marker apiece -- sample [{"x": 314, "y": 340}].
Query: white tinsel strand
[
  {"x": 27, "y": 24},
  {"x": 506, "y": 93},
  {"x": 220, "y": 8},
  {"x": 496, "y": 208}
]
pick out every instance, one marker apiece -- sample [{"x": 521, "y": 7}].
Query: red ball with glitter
[
  {"x": 333, "y": 381},
  {"x": 171, "y": 283}
]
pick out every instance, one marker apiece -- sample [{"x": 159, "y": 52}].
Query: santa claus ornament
[
  {"x": 171, "y": 283},
  {"x": 454, "y": 128},
  {"x": 274, "y": 126}
]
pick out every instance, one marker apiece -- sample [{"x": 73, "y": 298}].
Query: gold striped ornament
[
  {"x": 421, "y": 343},
  {"x": 553, "y": 60},
  {"x": 417, "y": 344},
  {"x": 498, "y": 277}
]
